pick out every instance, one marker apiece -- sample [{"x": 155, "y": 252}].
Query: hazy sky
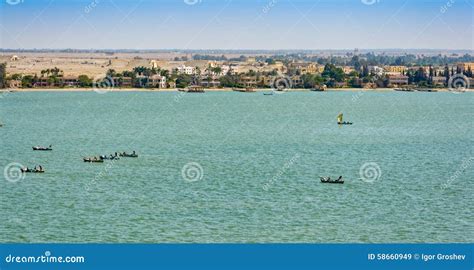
[{"x": 237, "y": 24}]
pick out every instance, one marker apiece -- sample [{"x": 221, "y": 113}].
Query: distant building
[
  {"x": 376, "y": 70},
  {"x": 399, "y": 69},
  {"x": 397, "y": 80},
  {"x": 14, "y": 84},
  {"x": 156, "y": 81},
  {"x": 70, "y": 81},
  {"x": 248, "y": 81},
  {"x": 438, "y": 80},
  {"x": 466, "y": 66},
  {"x": 14, "y": 58},
  {"x": 183, "y": 69}
]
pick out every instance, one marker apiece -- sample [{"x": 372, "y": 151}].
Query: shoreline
[{"x": 157, "y": 90}]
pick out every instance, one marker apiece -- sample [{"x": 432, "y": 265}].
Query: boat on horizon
[
  {"x": 43, "y": 148},
  {"x": 329, "y": 181}
]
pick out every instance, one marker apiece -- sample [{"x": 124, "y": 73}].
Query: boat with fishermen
[
  {"x": 340, "y": 120},
  {"x": 192, "y": 89},
  {"x": 319, "y": 88},
  {"x": 110, "y": 157},
  {"x": 43, "y": 148},
  {"x": 93, "y": 159},
  {"x": 268, "y": 94},
  {"x": 132, "y": 155},
  {"x": 34, "y": 170},
  {"x": 328, "y": 180}
]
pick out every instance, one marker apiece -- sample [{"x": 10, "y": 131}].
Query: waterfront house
[
  {"x": 156, "y": 81},
  {"x": 70, "y": 81},
  {"x": 397, "y": 80},
  {"x": 14, "y": 84},
  {"x": 438, "y": 80},
  {"x": 248, "y": 81}
]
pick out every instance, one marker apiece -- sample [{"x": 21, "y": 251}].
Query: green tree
[
  {"x": 84, "y": 81},
  {"x": 3, "y": 75}
]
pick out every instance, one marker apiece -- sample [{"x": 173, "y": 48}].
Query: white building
[{"x": 183, "y": 69}]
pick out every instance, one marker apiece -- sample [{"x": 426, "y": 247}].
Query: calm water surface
[{"x": 261, "y": 158}]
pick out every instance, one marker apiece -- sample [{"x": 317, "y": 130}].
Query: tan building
[
  {"x": 397, "y": 80},
  {"x": 399, "y": 69},
  {"x": 466, "y": 66},
  {"x": 248, "y": 81}
]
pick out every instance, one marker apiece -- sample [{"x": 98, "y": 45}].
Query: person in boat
[
  {"x": 116, "y": 154},
  {"x": 133, "y": 153},
  {"x": 339, "y": 179}
]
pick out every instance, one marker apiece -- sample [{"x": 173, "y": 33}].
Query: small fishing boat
[
  {"x": 42, "y": 148},
  {"x": 329, "y": 181},
  {"x": 28, "y": 170},
  {"x": 93, "y": 159},
  {"x": 268, "y": 94},
  {"x": 109, "y": 157},
  {"x": 341, "y": 122},
  {"x": 133, "y": 155}
]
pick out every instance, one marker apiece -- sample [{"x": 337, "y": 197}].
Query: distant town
[{"x": 281, "y": 70}]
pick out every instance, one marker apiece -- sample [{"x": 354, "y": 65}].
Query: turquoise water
[{"x": 258, "y": 158}]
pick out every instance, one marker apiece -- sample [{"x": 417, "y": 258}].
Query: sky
[{"x": 237, "y": 24}]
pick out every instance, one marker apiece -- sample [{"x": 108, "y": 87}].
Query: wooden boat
[
  {"x": 244, "y": 90},
  {"x": 340, "y": 122},
  {"x": 404, "y": 89},
  {"x": 93, "y": 159},
  {"x": 133, "y": 155},
  {"x": 42, "y": 148},
  {"x": 329, "y": 181},
  {"x": 426, "y": 90},
  {"x": 268, "y": 94},
  {"x": 110, "y": 157},
  {"x": 27, "y": 170}
]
